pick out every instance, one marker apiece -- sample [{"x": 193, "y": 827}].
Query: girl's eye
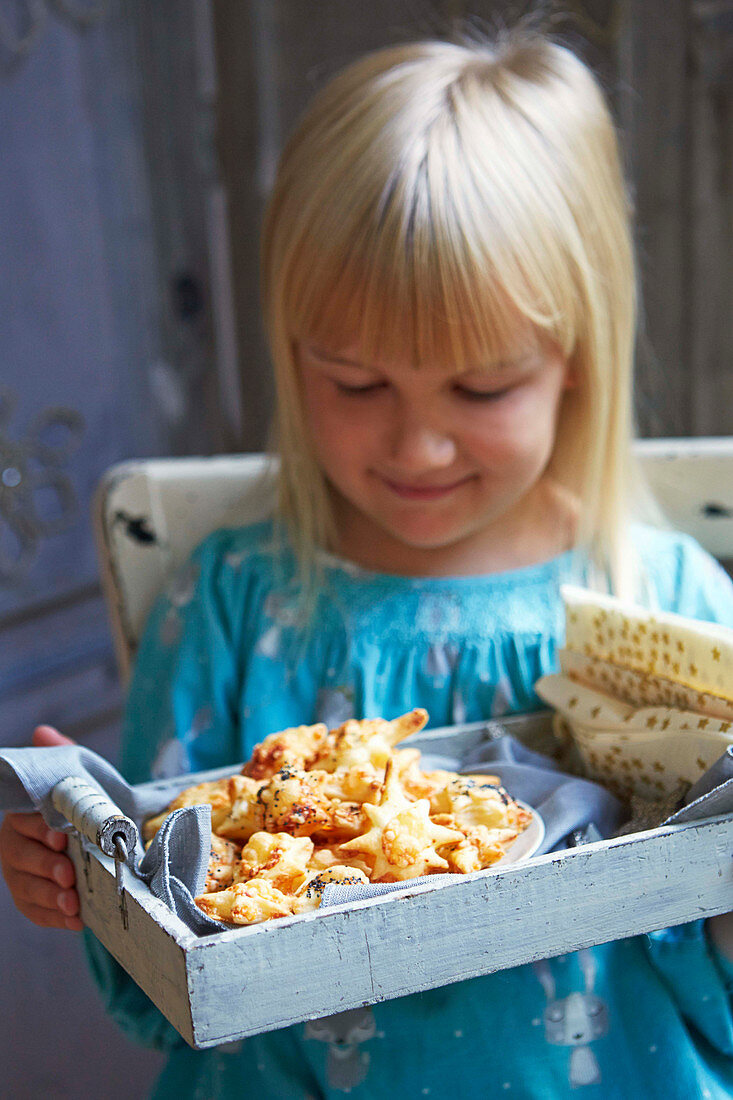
[
  {"x": 356, "y": 391},
  {"x": 481, "y": 395}
]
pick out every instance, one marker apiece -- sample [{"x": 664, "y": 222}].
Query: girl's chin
[
  {"x": 428, "y": 536},
  {"x": 426, "y": 527}
]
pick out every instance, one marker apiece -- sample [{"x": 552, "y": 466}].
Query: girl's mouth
[{"x": 423, "y": 492}]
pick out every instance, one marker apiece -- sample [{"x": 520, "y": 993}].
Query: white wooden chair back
[{"x": 150, "y": 514}]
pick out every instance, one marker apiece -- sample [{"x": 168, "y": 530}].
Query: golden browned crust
[
  {"x": 314, "y": 806},
  {"x": 297, "y": 747}
]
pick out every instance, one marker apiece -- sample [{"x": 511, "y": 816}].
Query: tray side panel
[
  {"x": 146, "y": 950},
  {"x": 252, "y": 980}
]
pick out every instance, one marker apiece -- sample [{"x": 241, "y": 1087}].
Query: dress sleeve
[
  {"x": 702, "y": 588},
  {"x": 181, "y": 716},
  {"x": 130, "y": 1008},
  {"x": 181, "y": 712},
  {"x": 698, "y": 976}
]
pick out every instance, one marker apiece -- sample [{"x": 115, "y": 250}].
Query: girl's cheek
[
  {"x": 349, "y": 431},
  {"x": 523, "y": 412},
  {"x": 361, "y": 429},
  {"x": 501, "y": 423},
  {"x": 341, "y": 436}
]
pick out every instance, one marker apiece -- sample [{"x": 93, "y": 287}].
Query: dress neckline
[{"x": 538, "y": 571}]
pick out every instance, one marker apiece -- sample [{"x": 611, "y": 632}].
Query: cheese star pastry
[
  {"x": 297, "y": 747},
  {"x": 298, "y": 802},
  {"x": 246, "y": 812},
  {"x": 402, "y": 840},
  {"x": 363, "y": 782},
  {"x": 246, "y": 902},
  {"x": 215, "y": 793},
  {"x": 310, "y": 894},
  {"x": 420, "y": 784},
  {"x": 369, "y": 741},
  {"x": 323, "y": 859},
  {"x": 358, "y": 783},
  {"x": 472, "y": 802},
  {"x": 278, "y": 857},
  {"x": 223, "y": 859},
  {"x": 480, "y": 847},
  {"x": 293, "y": 803}
]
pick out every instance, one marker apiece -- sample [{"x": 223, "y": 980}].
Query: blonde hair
[{"x": 433, "y": 196}]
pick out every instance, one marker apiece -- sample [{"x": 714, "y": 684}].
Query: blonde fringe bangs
[{"x": 443, "y": 204}]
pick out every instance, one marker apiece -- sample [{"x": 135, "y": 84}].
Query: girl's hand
[{"x": 39, "y": 876}]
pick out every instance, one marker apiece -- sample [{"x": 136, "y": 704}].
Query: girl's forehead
[
  {"x": 357, "y": 354},
  {"x": 450, "y": 313}
]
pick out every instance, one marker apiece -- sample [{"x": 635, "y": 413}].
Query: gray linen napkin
[{"x": 711, "y": 795}]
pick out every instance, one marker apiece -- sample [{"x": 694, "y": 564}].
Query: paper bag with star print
[{"x": 647, "y": 698}]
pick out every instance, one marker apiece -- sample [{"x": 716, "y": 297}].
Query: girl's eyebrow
[
  {"x": 520, "y": 359},
  {"x": 342, "y": 360},
  {"x": 507, "y": 362}
]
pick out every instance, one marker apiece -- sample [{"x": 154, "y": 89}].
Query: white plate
[{"x": 528, "y": 840}]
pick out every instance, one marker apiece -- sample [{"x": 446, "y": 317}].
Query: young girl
[{"x": 449, "y": 291}]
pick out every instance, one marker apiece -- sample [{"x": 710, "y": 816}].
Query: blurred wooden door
[{"x": 109, "y": 217}]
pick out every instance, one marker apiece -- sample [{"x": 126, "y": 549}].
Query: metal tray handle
[{"x": 94, "y": 815}]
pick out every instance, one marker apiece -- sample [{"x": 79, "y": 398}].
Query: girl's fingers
[
  {"x": 33, "y": 858},
  {"x": 33, "y": 826},
  {"x": 38, "y": 893},
  {"x": 27, "y": 856},
  {"x": 49, "y": 918},
  {"x": 48, "y": 737},
  {"x": 39, "y": 876}
]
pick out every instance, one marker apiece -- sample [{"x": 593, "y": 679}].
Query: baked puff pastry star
[
  {"x": 402, "y": 840},
  {"x": 315, "y": 806},
  {"x": 369, "y": 741},
  {"x": 310, "y": 894},
  {"x": 246, "y": 813},
  {"x": 296, "y": 746},
  {"x": 299, "y": 803},
  {"x": 278, "y": 857},
  {"x": 246, "y": 902},
  {"x": 480, "y": 847},
  {"x": 215, "y": 793},
  {"x": 472, "y": 802},
  {"x": 223, "y": 859}
]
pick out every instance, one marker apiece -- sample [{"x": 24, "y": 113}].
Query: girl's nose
[{"x": 418, "y": 447}]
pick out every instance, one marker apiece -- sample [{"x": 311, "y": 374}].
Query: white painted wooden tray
[{"x": 219, "y": 988}]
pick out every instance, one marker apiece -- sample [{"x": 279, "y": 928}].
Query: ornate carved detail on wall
[
  {"x": 22, "y": 22},
  {"x": 37, "y": 498}
]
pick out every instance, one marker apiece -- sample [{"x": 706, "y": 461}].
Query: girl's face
[{"x": 433, "y": 471}]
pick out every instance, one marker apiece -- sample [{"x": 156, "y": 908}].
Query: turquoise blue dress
[{"x": 228, "y": 657}]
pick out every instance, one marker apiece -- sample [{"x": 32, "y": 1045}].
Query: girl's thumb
[{"x": 47, "y": 737}]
